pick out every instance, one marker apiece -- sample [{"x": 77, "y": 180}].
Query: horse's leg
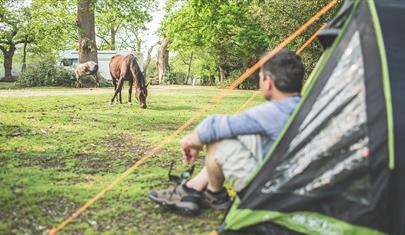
[
  {"x": 78, "y": 83},
  {"x": 115, "y": 88},
  {"x": 131, "y": 82},
  {"x": 77, "y": 80},
  {"x": 95, "y": 77},
  {"x": 120, "y": 95},
  {"x": 98, "y": 76},
  {"x": 119, "y": 87}
]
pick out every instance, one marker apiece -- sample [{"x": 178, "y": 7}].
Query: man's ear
[{"x": 269, "y": 83}]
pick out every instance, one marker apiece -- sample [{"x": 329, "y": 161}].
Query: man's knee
[
  {"x": 235, "y": 158},
  {"x": 212, "y": 148},
  {"x": 219, "y": 148}
]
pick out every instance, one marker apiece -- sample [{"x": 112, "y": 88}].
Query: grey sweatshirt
[{"x": 267, "y": 120}]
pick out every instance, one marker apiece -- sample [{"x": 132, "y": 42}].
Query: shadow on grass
[{"x": 173, "y": 108}]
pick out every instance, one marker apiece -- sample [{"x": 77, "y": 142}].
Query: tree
[
  {"x": 54, "y": 24},
  {"x": 40, "y": 27},
  {"x": 235, "y": 33},
  {"x": 223, "y": 29},
  {"x": 189, "y": 64},
  {"x": 86, "y": 31},
  {"x": 290, "y": 15},
  {"x": 148, "y": 60},
  {"x": 124, "y": 20},
  {"x": 15, "y": 17},
  {"x": 163, "y": 60}
]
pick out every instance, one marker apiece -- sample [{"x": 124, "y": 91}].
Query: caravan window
[{"x": 69, "y": 62}]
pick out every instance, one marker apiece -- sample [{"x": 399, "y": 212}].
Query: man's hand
[{"x": 190, "y": 147}]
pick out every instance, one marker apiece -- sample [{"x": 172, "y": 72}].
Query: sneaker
[
  {"x": 179, "y": 197},
  {"x": 216, "y": 200}
]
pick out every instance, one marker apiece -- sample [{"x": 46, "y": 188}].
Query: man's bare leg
[
  {"x": 200, "y": 181},
  {"x": 204, "y": 190},
  {"x": 211, "y": 175}
]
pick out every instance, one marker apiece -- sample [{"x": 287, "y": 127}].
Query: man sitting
[{"x": 237, "y": 143}]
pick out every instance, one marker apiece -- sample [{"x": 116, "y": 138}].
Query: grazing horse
[
  {"x": 85, "y": 69},
  {"x": 125, "y": 68}
]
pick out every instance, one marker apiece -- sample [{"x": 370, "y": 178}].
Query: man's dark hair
[{"x": 286, "y": 70}]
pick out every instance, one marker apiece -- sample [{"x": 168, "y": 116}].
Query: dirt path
[
  {"x": 22, "y": 93},
  {"x": 89, "y": 91}
]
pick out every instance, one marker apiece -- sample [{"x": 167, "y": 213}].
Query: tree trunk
[
  {"x": 189, "y": 68},
  {"x": 222, "y": 74},
  {"x": 112, "y": 40},
  {"x": 24, "y": 62},
  {"x": 212, "y": 79},
  {"x": 8, "y": 63},
  {"x": 138, "y": 45},
  {"x": 147, "y": 61},
  {"x": 86, "y": 27},
  {"x": 163, "y": 60}
]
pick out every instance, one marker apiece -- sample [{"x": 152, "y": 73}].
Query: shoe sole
[
  {"x": 215, "y": 207},
  {"x": 185, "y": 207}
]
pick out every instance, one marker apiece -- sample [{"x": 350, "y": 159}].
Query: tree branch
[
  {"x": 118, "y": 27},
  {"x": 103, "y": 38},
  {"x": 23, "y": 41},
  {"x": 4, "y": 42}
]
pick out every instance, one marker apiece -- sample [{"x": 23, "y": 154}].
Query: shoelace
[{"x": 179, "y": 180}]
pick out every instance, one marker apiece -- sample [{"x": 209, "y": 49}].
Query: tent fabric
[
  {"x": 333, "y": 169},
  {"x": 392, "y": 15}
]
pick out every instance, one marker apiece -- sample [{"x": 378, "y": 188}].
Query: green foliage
[
  {"x": 46, "y": 25},
  {"x": 46, "y": 73},
  {"x": 152, "y": 70},
  {"x": 15, "y": 19},
  {"x": 35, "y": 29},
  {"x": 281, "y": 18},
  {"x": 120, "y": 22},
  {"x": 175, "y": 78},
  {"x": 53, "y": 26},
  {"x": 105, "y": 83},
  {"x": 232, "y": 35},
  {"x": 223, "y": 32}
]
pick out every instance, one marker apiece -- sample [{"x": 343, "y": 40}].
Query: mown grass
[
  {"x": 7, "y": 85},
  {"x": 56, "y": 152}
]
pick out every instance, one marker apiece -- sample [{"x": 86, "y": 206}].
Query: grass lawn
[
  {"x": 7, "y": 85},
  {"x": 56, "y": 152}
]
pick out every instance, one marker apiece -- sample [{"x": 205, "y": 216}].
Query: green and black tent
[{"x": 339, "y": 165}]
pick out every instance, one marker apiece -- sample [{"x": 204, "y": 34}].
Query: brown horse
[{"x": 125, "y": 68}]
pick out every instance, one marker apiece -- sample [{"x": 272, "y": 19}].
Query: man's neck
[{"x": 283, "y": 95}]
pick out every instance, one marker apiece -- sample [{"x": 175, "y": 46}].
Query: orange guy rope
[
  {"x": 214, "y": 100},
  {"x": 244, "y": 105},
  {"x": 309, "y": 41}
]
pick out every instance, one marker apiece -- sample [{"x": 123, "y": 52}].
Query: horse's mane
[{"x": 136, "y": 70}]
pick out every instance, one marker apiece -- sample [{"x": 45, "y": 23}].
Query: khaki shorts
[{"x": 239, "y": 158}]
